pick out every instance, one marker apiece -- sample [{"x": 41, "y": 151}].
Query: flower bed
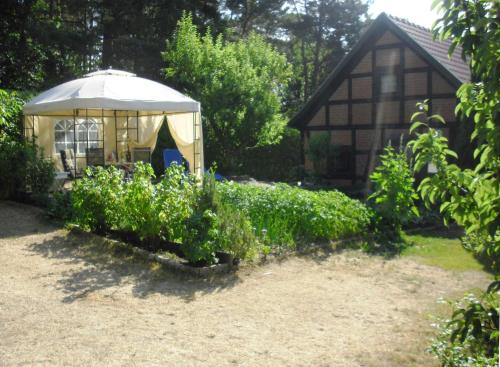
[
  {"x": 285, "y": 215},
  {"x": 210, "y": 222}
]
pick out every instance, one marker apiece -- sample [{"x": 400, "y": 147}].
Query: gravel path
[{"x": 71, "y": 300}]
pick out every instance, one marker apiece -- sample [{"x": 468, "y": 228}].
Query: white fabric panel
[
  {"x": 112, "y": 97},
  {"x": 111, "y": 91},
  {"x": 182, "y": 129}
]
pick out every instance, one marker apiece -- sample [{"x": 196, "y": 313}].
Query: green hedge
[
  {"x": 204, "y": 219},
  {"x": 284, "y": 214}
]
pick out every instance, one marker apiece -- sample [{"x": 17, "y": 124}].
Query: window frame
[
  {"x": 380, "y": 72},
  {"x": 345, "y": 154},
  {"x": 73, "y": 141}
]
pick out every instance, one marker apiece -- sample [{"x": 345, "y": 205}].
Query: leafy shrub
[
  {"x": 175, "y": 198},
  {"x": 61, "y": 205},
  {"x": 282, "y": 160},
  {"x": 23, "y": 169},
  {"x": 39, "y": 173},
  {"x": 470, "y": 338},
  {"x": 394, "y": 196},
  {"x": 11, "y": 104},
  {"x": 283, "y": 215},
  {"x": 22, "y": 166},
  {"x": 236, "y": 235},
  {"x": 97, "y": 199},
  {"x": 200, "y": 240},
  {"x": 12, "y": 172},
  {"x": 215, "y": 226},
  {"x": 138, "y": 210}
]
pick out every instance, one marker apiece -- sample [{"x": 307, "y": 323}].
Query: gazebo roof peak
[{"x": 110, "y": 72}]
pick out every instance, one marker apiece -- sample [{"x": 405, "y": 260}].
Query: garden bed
[{"x": 173, "y": 260}]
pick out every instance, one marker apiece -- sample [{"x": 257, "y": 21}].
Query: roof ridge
[{"x": 406, "y": 21}]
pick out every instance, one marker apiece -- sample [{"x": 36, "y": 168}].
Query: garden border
[{"x": 169, "y": 264}]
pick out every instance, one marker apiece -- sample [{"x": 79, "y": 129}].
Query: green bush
[
  {"x": 61, "y": 206},
  {"x": 97, "y": 199},
  {"x": 216, "y": 226},
  {"x": 22, "y": 166},
  {"x": 24, "y": 170},
  {"x": 394, "y": 196},
  {"x": 470, "y": 338},
  {"x": 282, "y": 160},
  {"x": 211, "y": 217},
  {"x": 237, "y": 236},
  {"x": 39, "y": 173},
  {"x": 283, "y": 215},
  {"x": 201, "y": 236},
  {"x": 175, "y": 197}
]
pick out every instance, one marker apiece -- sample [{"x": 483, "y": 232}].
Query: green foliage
[
  {"x": 470, "y": 338},
  {"x": 11, "y": 105},
  {"x": 97, "y": 198},
  {"x": 61, "y": 206},
  {"x": 214, "y": 226},
  {"x": 239, "y": 85},
  {"x": 22, "y": 166},
  {"x": 283, "y": 215},
  {"x": 237, "y": 236},
  {"x": 176, "y": 209},
  {"x": 175, "y": 196},
  {"x": 319, "y": 151},
  {"x": 470, "y": 197},
  {"x": 394, "y": 196},
  {"x": 46, "y": 42},
  {"x": 39, "y": 173},
  {"x": 277, "y": 162}
]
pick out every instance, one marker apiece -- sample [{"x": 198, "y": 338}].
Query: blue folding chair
[
  {"x": 170, "y": 156},
  {"x": 173, "y": 155}
]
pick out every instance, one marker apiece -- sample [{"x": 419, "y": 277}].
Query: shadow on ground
[
  {"x": 101, "y": 264},
  {"x": 14, "y": 223}
]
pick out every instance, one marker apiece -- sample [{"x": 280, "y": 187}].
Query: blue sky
[{"x": 416, "y": 11}]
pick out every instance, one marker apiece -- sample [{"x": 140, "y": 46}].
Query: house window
[
  {"x": 387, "y": 82},
  {"x": 339, "y": 160},
  {"x": 87, "y": 135}
]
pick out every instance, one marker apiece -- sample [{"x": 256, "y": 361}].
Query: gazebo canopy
[
  {"x": 113, "y": 112},
  {"x": 111, "y": 90}
]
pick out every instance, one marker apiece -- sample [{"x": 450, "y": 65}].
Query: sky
[{"x": 416, "y": 11}]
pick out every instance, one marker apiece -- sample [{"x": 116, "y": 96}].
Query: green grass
[{"x": 441, "y": 249}]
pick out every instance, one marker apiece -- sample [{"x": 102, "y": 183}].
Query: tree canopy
[{"x": 239, "y": 84}]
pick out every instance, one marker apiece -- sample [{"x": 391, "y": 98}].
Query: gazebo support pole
[
  {"x": 74, "y": 142},
  {"x": 87, "y": 135}
]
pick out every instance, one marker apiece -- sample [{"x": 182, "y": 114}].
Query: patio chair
[
  {"x": 170, "y": 156},
  {"x": 67, "y": 159},
  {"x": 95, "y": 157},
  {"x": 141, "y": 155}
]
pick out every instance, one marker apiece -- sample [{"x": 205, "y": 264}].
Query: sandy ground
[{"x": 66, "y": 300}]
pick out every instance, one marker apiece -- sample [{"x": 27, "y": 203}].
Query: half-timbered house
[{"x": 370, "y": 96}]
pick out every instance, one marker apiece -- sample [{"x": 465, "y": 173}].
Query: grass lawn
[{"x": 441, "y": 248}]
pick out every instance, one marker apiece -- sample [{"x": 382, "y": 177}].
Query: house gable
[{"x": 369, "y": 99}]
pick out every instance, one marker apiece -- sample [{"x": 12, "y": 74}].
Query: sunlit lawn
[{"x": 441, "y": 249}]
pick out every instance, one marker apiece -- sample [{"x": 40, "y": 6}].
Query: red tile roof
[{"x": 437, "y": 49}]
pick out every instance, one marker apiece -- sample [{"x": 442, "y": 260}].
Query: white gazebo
[{"x": 112, "y": 117}]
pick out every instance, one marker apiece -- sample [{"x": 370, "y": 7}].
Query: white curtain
[{"x": 183, "y": 128}]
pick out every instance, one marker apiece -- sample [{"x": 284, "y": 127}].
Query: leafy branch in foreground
[
  {"x": 394, "y": 196},
  {"x": 470, "y": 197}
]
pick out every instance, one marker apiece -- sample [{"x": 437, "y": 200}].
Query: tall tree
[
  {"x": 44, "y": 42},
  {"x": 239, "y": 85},
  {"x": 321, "y": 32},
  {"x": 315, "y": 34}
]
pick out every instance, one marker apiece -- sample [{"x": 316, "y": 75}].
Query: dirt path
[{"x": 66, "y": 301}]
